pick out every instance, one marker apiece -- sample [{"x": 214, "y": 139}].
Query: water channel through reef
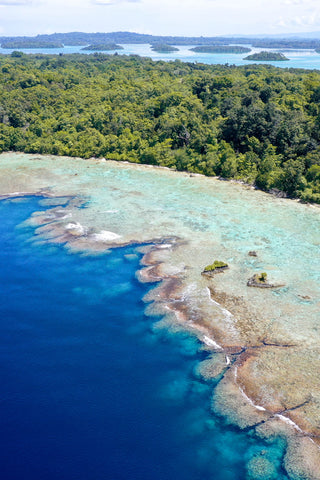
[{"x": 254, "y": 350}]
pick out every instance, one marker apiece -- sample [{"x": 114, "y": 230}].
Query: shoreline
[
  {"x": 237, "y": 397},
  {"x": 273, "y": 193}
]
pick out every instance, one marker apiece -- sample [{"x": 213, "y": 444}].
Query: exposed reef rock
[{"x": 259, "y": 280}]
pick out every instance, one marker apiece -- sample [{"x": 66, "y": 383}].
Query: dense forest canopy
[{"x": 257, "y": 123}]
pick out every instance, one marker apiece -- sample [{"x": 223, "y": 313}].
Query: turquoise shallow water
[
  {"x": 91, "y": 388},
  {"x": 307, "y": 59},
  {"x": 214, "y": 219}
]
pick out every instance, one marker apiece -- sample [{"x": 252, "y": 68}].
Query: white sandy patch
[
  {"x": 210, "y": 342},
  {"x": 76, "y": 229},
  {"x": 258, "y": 407},
  {"x": 16, "y": 194},
  {"x": 105, "y": 236}
]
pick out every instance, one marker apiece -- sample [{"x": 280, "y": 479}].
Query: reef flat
[{"x": 264, "y": 342}]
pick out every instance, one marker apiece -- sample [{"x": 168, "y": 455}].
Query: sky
[{"x": 160, "y": 17}]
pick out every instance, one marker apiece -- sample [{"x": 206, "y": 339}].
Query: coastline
[
  {"x": 273, "y": 192},
  {"x": 245, "y": 412},
  {"x": 223, "y": 331}
]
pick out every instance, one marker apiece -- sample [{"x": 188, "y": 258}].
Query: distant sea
[
  {"x": 307, "y": 59},
  {"x": 91, "y": 387}
]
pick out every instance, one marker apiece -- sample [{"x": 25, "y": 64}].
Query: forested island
[
  {"x": 290, "y": 43},
  {"x": 267, "y": 56},
  {"x": 31, "y": 44},
  {"x": 164, "y": 48},
  {"x": 256, "y": 123},
  {"x": 220, "y": 49},
  {"x": 103, "y": 47},
  {"x": 84, "y": 38}
]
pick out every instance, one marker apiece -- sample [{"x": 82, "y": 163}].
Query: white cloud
[
  {"x": 162, "y": 17},
  {"x": 112, "y": 2},
  {"x": 306, "y": 20},
  {"x": 281, "y": 23},
  {"x": 14, "y": 3},
  {"x": 310, "y": 19},
  {"x": 294, "y": 2}
]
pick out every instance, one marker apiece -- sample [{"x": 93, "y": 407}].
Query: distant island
[
  {"x": 289, "y": 43},
  {"x": 84, "y": 38},
  {"x": 31, "y": 44},
  {"x": 163, "y": 48},
  {"x": 267, "y": 56},
  {"x": 220, "y": 49},
  {"x": 103, "y": 47}
]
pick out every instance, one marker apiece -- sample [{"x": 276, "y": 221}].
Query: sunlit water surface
[{"x": 307, "y": 59}]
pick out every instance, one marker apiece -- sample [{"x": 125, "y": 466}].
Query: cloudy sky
[{"x": 159, "y": 17}]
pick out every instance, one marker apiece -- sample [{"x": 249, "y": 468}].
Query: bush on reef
[{"x": 216, "y": 265}]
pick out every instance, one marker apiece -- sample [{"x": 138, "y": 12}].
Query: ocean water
[
  {"x": 91, "y": 387},
  {"x": 306, "y": 59}
]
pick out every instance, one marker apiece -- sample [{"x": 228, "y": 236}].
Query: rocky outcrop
[{"x": 259, "y": 280}]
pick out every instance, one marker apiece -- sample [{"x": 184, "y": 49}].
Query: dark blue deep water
[{"x": 90, "y": 388}]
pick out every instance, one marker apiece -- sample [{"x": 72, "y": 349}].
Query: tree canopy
[
  {"x": 103, "y": 47},
  {"x": 220, "y": 49},
  {"x": 256, "y": 123},
  {"x": 163, "y": 48},
  {"x": 267, "y": 56}
]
